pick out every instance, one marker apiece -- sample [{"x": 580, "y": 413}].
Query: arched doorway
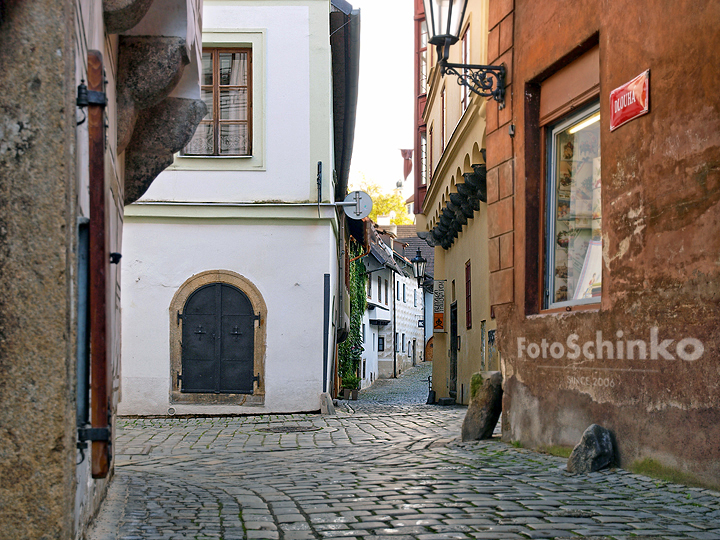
[{"x": 218, "y": 341}]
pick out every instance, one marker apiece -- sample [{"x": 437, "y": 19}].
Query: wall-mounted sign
[
  {"x": 439, "y": 307},
  {"x": 421, "y": 323},
  {"x": 630, "y": 100}
]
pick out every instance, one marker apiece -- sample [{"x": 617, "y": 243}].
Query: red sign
[{"x": 630, "y": 100}]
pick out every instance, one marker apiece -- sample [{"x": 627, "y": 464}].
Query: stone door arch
[{"x": 215, "y": 318}]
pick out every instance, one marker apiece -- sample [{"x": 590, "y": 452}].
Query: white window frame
[
  {"x": 551, "y": 206},
  {"x": 256, "y": 40}
]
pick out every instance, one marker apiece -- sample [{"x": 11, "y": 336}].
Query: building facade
[
  {"x": 393, "y": 320},
  {"x": 236, "y": 255},
  {"x": 451, "y": 200},
  {"x": 94, "y": 99},
  {"x": 603, "y": 216}
]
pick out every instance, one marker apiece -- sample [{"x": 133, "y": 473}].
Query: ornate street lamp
[
  {"x": 445, "y": 18},
  {"x": 418, "y": 264}
]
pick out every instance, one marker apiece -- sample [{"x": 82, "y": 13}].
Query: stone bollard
[
  {"x": 326, "y": 404},
  {"x": 594, "y": 451},
  {"x": 485, "y": 406}
]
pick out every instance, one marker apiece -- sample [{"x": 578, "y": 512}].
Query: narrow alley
[{"x": 385, "y": 467}]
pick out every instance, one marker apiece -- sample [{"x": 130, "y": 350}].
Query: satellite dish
[{"x": 357, "y": 205}]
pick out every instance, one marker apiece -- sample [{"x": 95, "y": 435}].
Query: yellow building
[{"x": 450, "y": 197}]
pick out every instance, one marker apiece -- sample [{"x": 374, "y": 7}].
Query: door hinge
[
  {"x": 93, "y": 434},
  {"x": 256, "y": 317},
  {"x": 179, "y": 317},
  {"x": 256, "y": 379}
]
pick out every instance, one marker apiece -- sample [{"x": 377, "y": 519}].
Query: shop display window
[{"x": 574, "y": 211}]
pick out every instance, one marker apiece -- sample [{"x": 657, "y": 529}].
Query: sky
[{"x": 385, "y": 118}]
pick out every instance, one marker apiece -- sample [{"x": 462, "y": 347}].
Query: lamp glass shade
[
  {"x": 444, "y": 20},
  {"x": 418, "y": 264}
]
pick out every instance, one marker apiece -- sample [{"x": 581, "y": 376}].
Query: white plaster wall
[
  {"x": 286, "y": 262},
  {"x": 287, "y": 80},
  {"x": 370, "y": 354},
  {"x": 406, "y": 320}
]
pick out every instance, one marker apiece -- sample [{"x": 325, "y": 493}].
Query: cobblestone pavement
[{"x": 386, "y": 467}]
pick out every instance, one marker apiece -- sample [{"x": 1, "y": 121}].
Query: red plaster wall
[{"x": 661, "y": 230}]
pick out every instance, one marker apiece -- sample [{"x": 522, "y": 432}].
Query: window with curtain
[
  {"x": 226, "y": 88},
  {"x": 423, "y": 69}
]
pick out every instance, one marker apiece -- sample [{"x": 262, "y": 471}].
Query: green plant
[
  {"x": 655, "y": 469},
  {"x": 350, "y": 351},
  {"x": 351, "y": 382},
  {"x": 559, "y": 451}
]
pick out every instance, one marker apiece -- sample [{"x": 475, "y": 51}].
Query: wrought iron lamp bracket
[{"x": 478, "y": 78}]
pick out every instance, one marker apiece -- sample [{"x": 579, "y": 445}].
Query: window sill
[
  {"x": 214, "y": 157},
  {"x": 595, "y": 306},
  {"x": 218, "y": 163}
]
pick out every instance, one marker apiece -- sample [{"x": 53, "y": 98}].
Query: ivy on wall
[{"x": 350, "y": 350}]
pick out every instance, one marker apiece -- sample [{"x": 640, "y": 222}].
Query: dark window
[
  {"x": 386, "y": 292},
  {"x": 226, "y": 88},
  {"x": 423, "y": 158},
  {"x": 443, "y": 120},
  {"x": 369, "y": 286},
  {"x": 464, "y": 91},
  {"x": 379, "y": 289},
  {"x": 404, "y": 297},
  {"x": 429, "y": 156},
  {"x": 381, "y": 343},
  {"x": 468, "y": 297}
]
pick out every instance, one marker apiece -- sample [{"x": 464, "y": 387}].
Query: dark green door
[{"x": 218, "y": 338}]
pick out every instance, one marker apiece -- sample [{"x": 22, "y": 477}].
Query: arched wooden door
[{"x": 218, "y": 341}]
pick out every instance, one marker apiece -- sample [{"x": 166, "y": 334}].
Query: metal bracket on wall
[{"x": 93, "y": 434}]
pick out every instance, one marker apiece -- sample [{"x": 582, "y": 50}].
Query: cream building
[{"x": 454, "y": 213}]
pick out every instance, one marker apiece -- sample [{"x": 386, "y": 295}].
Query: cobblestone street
[{"x": 385, "y": 467}]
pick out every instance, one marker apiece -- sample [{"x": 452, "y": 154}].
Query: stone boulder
[
  {"x": 485, "y": 406},
  {"x": 594, "y": 451}
]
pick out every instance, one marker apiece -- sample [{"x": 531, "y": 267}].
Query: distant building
[
  {"x": 450, "y": 206},
  {"x": 393, "y": 322}
]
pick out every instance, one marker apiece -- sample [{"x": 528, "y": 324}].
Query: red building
[{"x": 605, "y": 241}]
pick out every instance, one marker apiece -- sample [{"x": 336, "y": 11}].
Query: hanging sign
[
  {"x": 630, "y": 100},
  {"x": 439, "y": 307}
]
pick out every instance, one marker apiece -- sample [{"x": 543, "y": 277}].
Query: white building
[
  {"x": 232, "y": 257},
  {"x": 392, "y": 328}
]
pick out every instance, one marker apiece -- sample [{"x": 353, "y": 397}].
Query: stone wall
[{"x": 37, "y": 223}]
